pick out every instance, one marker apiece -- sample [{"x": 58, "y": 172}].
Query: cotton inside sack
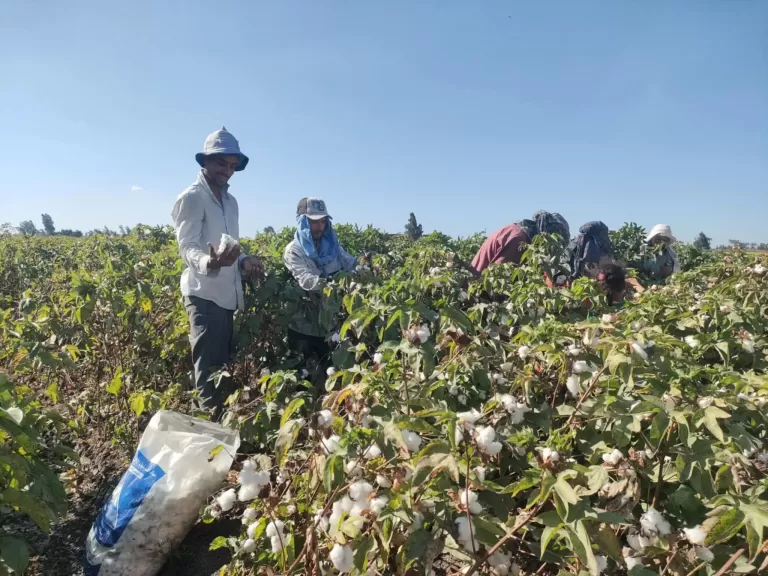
[{"x": 159, "y": 497}]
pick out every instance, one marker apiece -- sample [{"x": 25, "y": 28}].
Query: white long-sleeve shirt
[{"x": 200, "y": 219}]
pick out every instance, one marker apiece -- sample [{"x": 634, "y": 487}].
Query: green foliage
[{"x": 673, "y": 381}]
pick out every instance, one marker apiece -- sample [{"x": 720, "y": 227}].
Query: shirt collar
[{"x": 203, "y": 182}]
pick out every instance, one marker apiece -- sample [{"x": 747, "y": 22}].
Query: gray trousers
[{"x": 210, "y": 336}]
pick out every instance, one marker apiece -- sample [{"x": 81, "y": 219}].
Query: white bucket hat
[
  {"x": 661, "y": 231},
  {"x": 222, "y": 143}
]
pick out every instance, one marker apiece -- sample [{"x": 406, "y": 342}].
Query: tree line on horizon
[{"x": 413, "y": 230}]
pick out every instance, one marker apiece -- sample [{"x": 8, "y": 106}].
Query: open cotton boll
[
  {"x": 507, "y": 366},
  {"x": 549, "y": 456},
  {"x": 373, "y": 451},
  {"x": 378, "y": 504},
  {"x": 580, "y": 367},
  {"x": 573, "y": 350},
  {"x": 249, "y": 546},
  {"x": 653, "y": 522},
  {"x": 748, "y": 345},
  {"x": 278, "y": 543},
  {"x": 411, "y": 439},
  {"x": 322, "y": 522},
  {"x": 383, "y": 481},
  {"x": 692, "y": 341},
  {"x": 330, "y": 371},
  {"x": 498, "y": 378},
  {"x": 336, "y": 338},
  {"x": 705, "y": 402},
  {"x": 468, "y": 499},
  {"x": 574, "y": 385},
  {"x": 360, "y": 490},
  {"x": 590, "y": 342},
  {"x": 227, "y": 499},
  {"x": 607, "y": 318},
  {"x": 468, "y": 419},
  {"x": 226, "y": 241},
  {"x": 485, "y": 437},
  {"x": 342, "y": 558},
  {"x": 704, "y": 554},
  {"x": 324, "y": 418},
  {"x": 423, "y": 333},
  {"x": 613, "y": 457},
  {"x": 275, "y": 527},
  {"x": 523, "y": 352},
  {"x": 331, "y": 443},
  {"x": 499, "y": 559},
  {"x": 466, "y": 531},
  {"x": 378, "y": 358},
  {"x": 250, "y": 514},
  {"x": 251, "y": 531},
  {"x": 352, "y": 468},
  {"x": 695, "y": 535},
  {"x": 480, "y": 473},
  {"x": 602, "y": 563},
  {"x": 638, "y": 349},
  {"x": 248, "y": 492},
  {"x": 638, "y": 542},
  {"x": 759, "y": 269}
]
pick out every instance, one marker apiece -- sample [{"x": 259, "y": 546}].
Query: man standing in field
[
  {"x": 211, "y": 283},
  {"x": 313, "y": 256}
]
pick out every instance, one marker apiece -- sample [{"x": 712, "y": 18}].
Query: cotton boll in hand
[{"x": 227, "y": 241}]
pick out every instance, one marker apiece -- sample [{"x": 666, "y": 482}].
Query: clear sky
[{"x": 472, "y": 114}]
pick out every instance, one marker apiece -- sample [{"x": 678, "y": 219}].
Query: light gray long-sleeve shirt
[{"x": 200, "y": 219}]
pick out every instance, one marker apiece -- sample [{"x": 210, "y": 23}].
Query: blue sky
[{"x": 470, "y": 114}]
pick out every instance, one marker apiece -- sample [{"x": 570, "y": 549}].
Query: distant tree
[
  {"x": 6, "y": 229},
  {"x": 27, "y": 228},
  {"x": 735, "y": 244},
  {"x": 68, "y": 232},
  {"x": 413, "y": 229},
  {"x": 48, "y": 226},
  {"x": 269, "y": 230},
  {"x": 762, "y": 246},
  {"x": 702, "y": 241},
  {"x": 124, "y": 230}
]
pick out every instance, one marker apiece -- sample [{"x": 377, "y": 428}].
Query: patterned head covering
[
  {"x": 547, "y": 223},
  {"x": 590, "y": 247}
]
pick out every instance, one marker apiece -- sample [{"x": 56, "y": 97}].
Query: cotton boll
[
  {"x": 226, "y": 241},
  {"x": 377, "y": 504},
  {"x": 383, "y": 481},
  {"x": 580, "y": 367},
  {"x": 278, "y": 543},
  {"x": 342, "y": 558},
  {"x": 725, "y": 309},
  {"x": 695, "y": 535},
  {"x": 322, "y": 522},
  {"x": 336, "y": 338},
  {"x": 705, "y": 402},
  {"x": 638, "y": 349},
  {"x": 530, "y": 303},
  {"x": 573, "y": 350},
  {"x": 330, "y": 371},
  {"x": 331, "y": 443},
  {"x": 227, "y": 499},
  {"x": 602, "y": 563},
  {"x": 468, "y": 419},
  {"x": 523, "y": 352},
  {"x": 458, "y": 435},
  {"x": 372, "y": 452},
  {"x": 748, "y": 345},
  {"x": 498, "y": 378},
  {"x": 653, "y": 522},
  {"x": 517, "y": 413},
  {"x": 590, "y": 342},
  {"x": 352, "y": 468},
  {"x": 692, "y": 341},
  {"x": 275, "y": 527},
  {"x": 250, "y": 514},
  {"x": 550, "y": 456},
  {"x": 411, "y": 439},
  {"x": 466, "y": 532},
  {"x": 249, "y": 546},
  {"x": 574, "y": 385},
  {"x": 248, "y": 492},
  {"x": 639, "y": 542},
  {"x": 480, "y": 473},
  {"x": 704, "y": 554},
  {"x": 251, "y": 531},
  {"x": 759, "y": 269},
  {"x": 507, "y": 366},
  {"x": 324, "y": 418},
  {"x": 423, "y": 333},
  {"x": 378, "y": 358},
  {"x": 468, "y": 499},
  {"x": 607, "y": 318},
  {"x": 462, "y": 398},
  {"x": 360, "y": 490},
  {"x": 613, "y": 458}
]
